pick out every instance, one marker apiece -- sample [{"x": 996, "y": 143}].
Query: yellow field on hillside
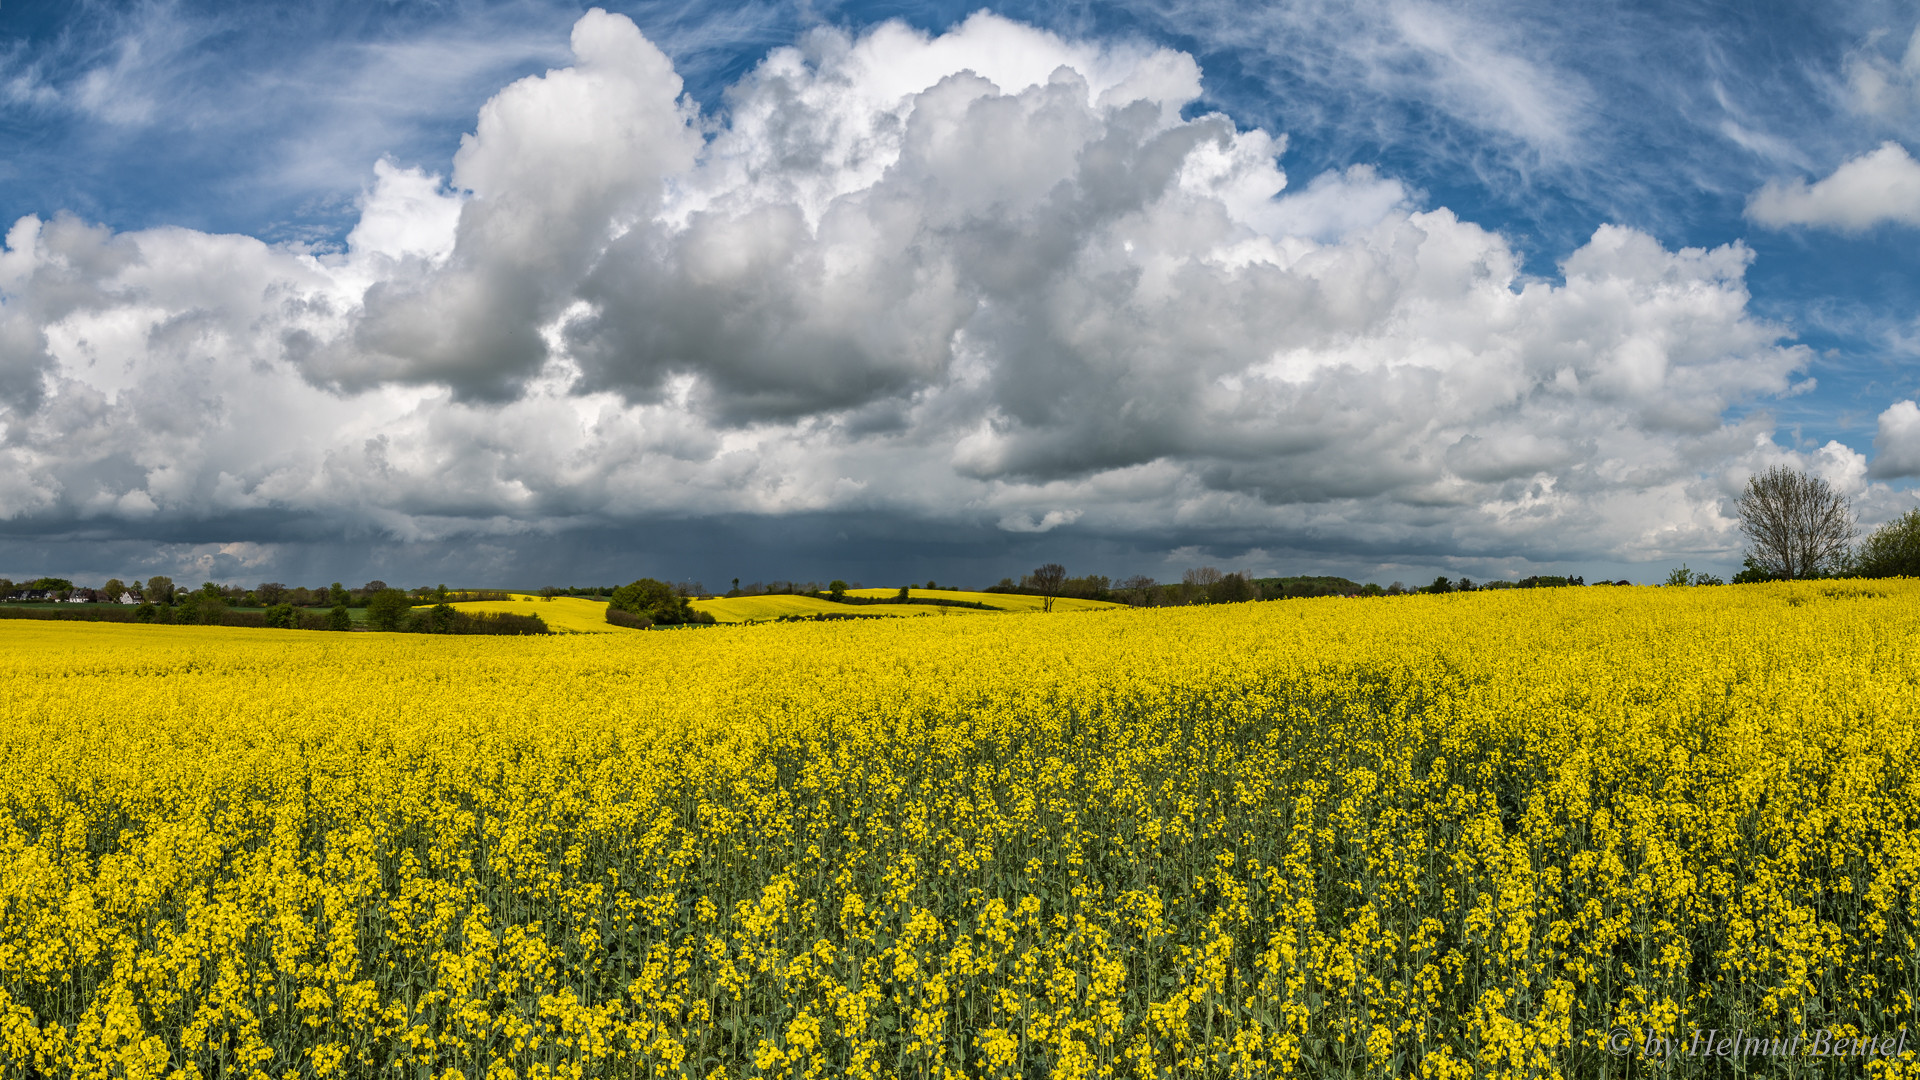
[
  {"x": 1002, "y": 601},
  {"x": 1537, "y": 833},
  {"x": 562, "y": 614},
  {"x": 766, "y": 608}
]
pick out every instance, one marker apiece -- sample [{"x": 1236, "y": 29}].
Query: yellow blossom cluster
[{"x": 1438, "y": 836}]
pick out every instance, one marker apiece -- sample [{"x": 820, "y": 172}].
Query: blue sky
[{"x": 1533, "y": 124}]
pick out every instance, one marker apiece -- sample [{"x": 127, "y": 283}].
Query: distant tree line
[
  {"x": 1199, "y": 585},
  {"x": 271, "y": 605},
  {"x": 1443, "y": 584},
  {"x": 787, "y": 588}
]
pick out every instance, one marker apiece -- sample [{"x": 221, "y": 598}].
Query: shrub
[
  {"x": 490, "y": 622},
  {"x": 438, "y": 619},
  {"x": 627, "y": 619}
]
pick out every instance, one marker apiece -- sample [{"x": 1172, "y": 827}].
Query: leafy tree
[
  {"x": 338, "y": 595},
  {"x": 1680, "y": 575},
  {"x": 1047, "y": 580},
  {"x": 113, "y": 588},
  {"x": 1892, "y": 550},
  {"x": 209, "y": 610},
  {"x": 1797, "y": 525},
  {"x": 1231, "y": 589},
  {"x": 1464, "y": 585},
  {"x": 1440, "y": 585},
  {"x": 836, "y": 590},
  {"x": 159, "y": 590},
  {"x": 281, "y": 616},
  {"x": 145, "y": 612},
  {"x": 655, "y": 599},
  {"x": 387, "y": 609},
  {"x": 340, "y": 618}
]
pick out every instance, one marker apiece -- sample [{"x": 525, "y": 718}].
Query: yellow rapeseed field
[
  {"x": 772, "y": 606},
  {"x": 1470, "y": 835},
  {"x": 562, "y": 614}
]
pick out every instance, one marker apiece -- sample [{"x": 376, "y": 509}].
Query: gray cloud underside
[{"x": 992, "y": 278}]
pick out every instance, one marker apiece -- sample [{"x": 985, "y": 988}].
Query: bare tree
[
  {"x": 1138, "y": 590},
  {"x": 1796, "y": 525},
  {"x": 1046, "y": 581},
  {"x": 1195, "y": 583}
]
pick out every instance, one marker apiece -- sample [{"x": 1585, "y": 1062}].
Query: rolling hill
[
  {"x": 731, "y": 609},
  {"x": 999, "y": 601},
  {"x": 562, "y": 614}
]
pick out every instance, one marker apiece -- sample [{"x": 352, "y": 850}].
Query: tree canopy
[{"x": 654, "y": 600}]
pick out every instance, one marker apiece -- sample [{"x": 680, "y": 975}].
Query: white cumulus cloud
[
  {"x": 1875, "y": 188},
  {"x": 1896, "y": 443}
]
